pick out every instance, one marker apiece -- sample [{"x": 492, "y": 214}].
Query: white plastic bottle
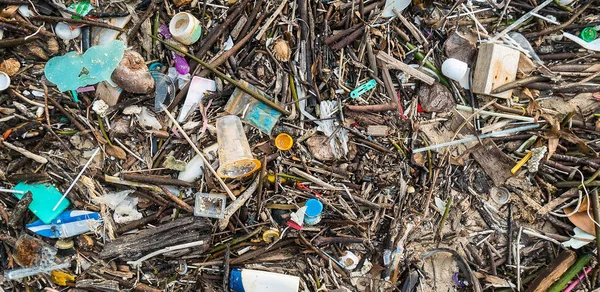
[{"x": 244, "y": 280}]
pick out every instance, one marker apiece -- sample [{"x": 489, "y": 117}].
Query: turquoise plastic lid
[{"x": 45, "y": 197}]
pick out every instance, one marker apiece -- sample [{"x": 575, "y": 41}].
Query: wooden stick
[
  {"x": 559, "y": 27},
  {"x": 238, "y": 84},
  {"x": 206, "y": 163},
  {"x": 78, "y": 21},
  {"x": 392, "y": 63},
  {"x": 26, "y": 153}
]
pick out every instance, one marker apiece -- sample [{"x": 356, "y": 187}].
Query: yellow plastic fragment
[
  {"x": 61, "y": 278},
  {"x": 521, "y": 162}
]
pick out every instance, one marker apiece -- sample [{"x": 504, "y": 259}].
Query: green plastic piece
[
  {"x": 45, "y": 197},
  {"x": 74, "y": 70},
  {"x": 589, "y": 34},
  {"x": 81, "y": 8}
]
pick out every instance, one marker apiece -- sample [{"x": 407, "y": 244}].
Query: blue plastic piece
[
  {"x": 360, "y": 90},
  {"x": 74, "y": 70},
  {"x": 312, "y": 215},
  {"x": 67, "y": 224},
  {"x": 235, "y": 281},
  {"x": 45, "y": 197}
]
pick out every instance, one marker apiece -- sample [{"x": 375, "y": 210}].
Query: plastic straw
[
  {"x": 26, "y": 272},
  {"x": 77, "y": 178},
  {"x": 473, "y": 138}
]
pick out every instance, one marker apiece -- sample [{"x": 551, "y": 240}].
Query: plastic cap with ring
[
  {"x": 284, "y": 141},
  {"x": 457, "y": 70}
]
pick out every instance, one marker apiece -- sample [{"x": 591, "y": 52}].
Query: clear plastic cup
[{"x": 235, "y": 155}]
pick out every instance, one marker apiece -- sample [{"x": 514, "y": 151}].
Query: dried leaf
[
  {"x": 552, "y": 144},
  {"x": 116, "y": 151}
]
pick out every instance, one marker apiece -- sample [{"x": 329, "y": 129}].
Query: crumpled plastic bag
[{"x": 125, "y": 207}]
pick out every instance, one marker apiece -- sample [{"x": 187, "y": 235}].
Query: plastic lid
[
  {"x": 164, "y": 90},
  {"x": 589, "y": 34},
  {"x": 235, "y": 280},
  {"x": 284, "y": 141},
  {"x": 314, "y": 207}
]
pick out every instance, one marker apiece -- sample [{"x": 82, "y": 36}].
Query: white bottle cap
[
  {"x": 4, "y": 81},
  {"x": 457, "y": 70},
  {"x": 185, "y": 28},
  {"x": 64, "y": 32}
]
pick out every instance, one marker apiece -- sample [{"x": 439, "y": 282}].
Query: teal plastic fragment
[
  {"x": 74, "y": 70},
  {"x": 45, "y": 197},
  {"x": 363, "y": 88}
]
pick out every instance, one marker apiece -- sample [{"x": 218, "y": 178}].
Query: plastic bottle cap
[
  {"x": 270, "y": 235},
  {"x": 589, "y": 34},
  {"x": 4, "y": 81},
  {"x": 65, "y": 32},
  {"x": 314, "y": 207},
  {"x": 457, "y": 70},
  {"x": 284, "y": 141}
]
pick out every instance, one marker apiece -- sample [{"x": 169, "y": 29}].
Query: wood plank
[
  {"x": 393, "y": 63},
  {"x": 553, "y": 271},
  {"x": 496, "y": 65},
  {"x": 493, "y": 161}
]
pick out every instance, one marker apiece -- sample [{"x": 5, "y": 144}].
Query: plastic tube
[{"x": 26, "y": 272}]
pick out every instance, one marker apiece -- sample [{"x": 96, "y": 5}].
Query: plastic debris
[
  {"x": 67, "y": 224},
  {"x": 45, "y": 197},
  {"x": 74, "y": 70}
]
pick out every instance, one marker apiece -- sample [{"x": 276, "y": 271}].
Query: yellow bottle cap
[
  {"x": 270, "y": 235},
  {"x": 284, "y": 141}
]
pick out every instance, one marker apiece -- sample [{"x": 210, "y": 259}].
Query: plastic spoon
[{"x": 594, "y": 45}]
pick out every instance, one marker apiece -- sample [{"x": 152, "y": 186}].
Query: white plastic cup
[
  {"x": 4, "y": 81},
  {"x": 457, "y": 70},
  {"x": 185, "y": 28},
  {"x": 65, "y": 32},
  {"x": 235, "y": 155}
]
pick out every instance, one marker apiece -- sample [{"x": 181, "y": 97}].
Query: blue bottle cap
[
  {"x": 313, "y": 207},
  {"x": 235, "y": 280}
]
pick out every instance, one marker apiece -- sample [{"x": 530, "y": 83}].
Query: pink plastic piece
[{"x": 181, "y": 65}]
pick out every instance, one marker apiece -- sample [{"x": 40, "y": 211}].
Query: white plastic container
[
  {"x": 457, "y": 70},
  {"x": 185, "y": 28},
  {"x": 244, "y": 280}
]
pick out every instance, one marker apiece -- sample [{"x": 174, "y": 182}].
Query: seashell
[{"x": 281, "y": 50}]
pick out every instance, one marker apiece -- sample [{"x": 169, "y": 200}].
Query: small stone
[
  {"x": 435, "y": 98},
  {"x": 460, "y": 48},
  {"x": 174, "y": 164}
]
